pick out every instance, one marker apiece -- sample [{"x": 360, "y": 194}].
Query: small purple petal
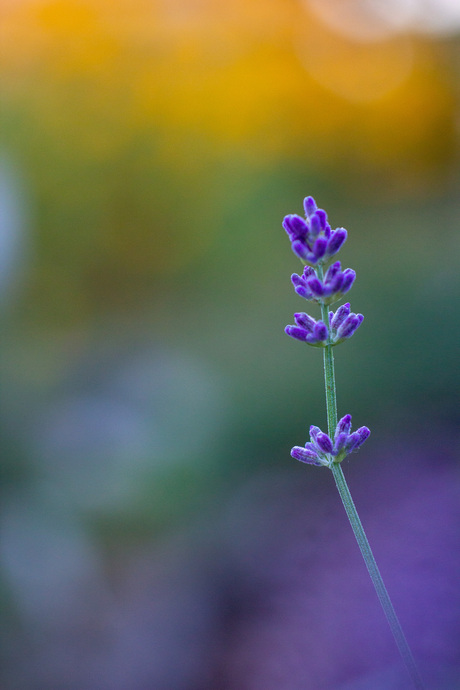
[
  {"x": 300, "y": 249},
  {"x": 349, "y": 276},
  {"x": 335, "y": 241},
  {"x": 308, "y": 272},
  {"x": 314, "y": 431},
  {"x": 356, "y": 439},
  {"x": 348, "y": 327},
  {"x": 297, "y": 333},
  {"x": 295, "y": 226},
  {"x": 310, "y": 206},
  {"x": 305, "y": 321},
  {"x": 305, "y": 455},
  {"x": 351, "y": 442},
  {"x": 339, "y": 442},
  {"x": 340, "y": 315},
  {"x": 343, "y": 426},
  {"x": 296, "y": 279},
  {"x": 315, "y": 226},
  {"x": 324, "y": 442},
  {"x": 322, "y": 217},
  {"x": 332, "y": 271},
  {"x": 303, "y": 291},
  {"x": 335, "y": 284},
  {"x": 363, "y": 432},
  {"x": 315, "y": 286},
  {"x": 320, "y": 331},
  {"x": 319, "y": 248}
]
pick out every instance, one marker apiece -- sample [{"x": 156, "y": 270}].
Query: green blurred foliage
[{"x": 156, "y": 179}]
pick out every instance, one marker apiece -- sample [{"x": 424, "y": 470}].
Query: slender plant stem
[{"x": 352, "y": 513}]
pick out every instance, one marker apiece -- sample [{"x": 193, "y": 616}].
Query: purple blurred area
[{"x": 266, "y": 590}]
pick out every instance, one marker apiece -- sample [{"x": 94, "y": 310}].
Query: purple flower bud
[
  {"x": 320, "y": 331},
  {"x": 305, "y": 321},
  {"x": 324, "y": 442},
  {"x": 334, "y": 285},
  {"x": 305, "y": 455},
  {"x": 304, "y": 233},
  {"x": 308, "y": 330},
  {"x": 332, "y": 271},
  {"x": 296, "y": 227},
  {"x": 297, "y": 333},
  {"x": 349, "y": 326},
  {"x": 308, "y": 272},
  {"x": 296, "y": 280},
  {"x": 303, "y": 291},
  {"x": 314, "y": 431},
  {"x": 310, "y": 206},
  {"x": 300, "y": 284},
  {"x": 339, "y": 442},
  {"x": 322, "y": 217},
  {"x": 319, "y": 248},
  {"x": 300, "y": 249},
  {"x": 321, "y": 447},
  {"x": 356, "y": 439},
  {"x": 348, "y": 280},
  {"x": 315, "y": 226},
  {"x": 335, "y": 241},
  {"x": 315, "y": 286},
  {"x": 343, "y": 426},
  {"x": 340, "y": 315},
  {"x": 363, "y": 433}
]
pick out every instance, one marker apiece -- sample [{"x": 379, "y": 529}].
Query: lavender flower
[
  {"x": 342, "y": 325},
  {"x": 321, "y": 450},
  {"x": 308, "y": 330},
  {"x": 314, "y": 242},
  {"x": 312, "y": 239},
  {"x": 328, "y": 290}
]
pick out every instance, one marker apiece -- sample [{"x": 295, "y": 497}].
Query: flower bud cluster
[
  {"x": 342, "y": 325},
  {"x": 321, "y": 450},
  {"x": 312, "y": 238},
  {"x": 314, "y": 242},
  {"x": 333, "y": 286}
]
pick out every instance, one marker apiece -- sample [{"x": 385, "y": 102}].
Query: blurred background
[{"x": 156, "y": 534}]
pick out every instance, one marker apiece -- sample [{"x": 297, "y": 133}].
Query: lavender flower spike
[
  {"x": 312, "y": 238},
  {"x": 321, "y": 450},
  {"x": 314, "y": 242}
]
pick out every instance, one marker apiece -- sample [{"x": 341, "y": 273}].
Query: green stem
[
  {"x": 376, "y": 578},
  {"x": 329, "y": 373},
  {"x": 352, "y": 513}
]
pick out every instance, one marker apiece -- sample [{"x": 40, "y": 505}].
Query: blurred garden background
[{"x": 156, "y": 534}]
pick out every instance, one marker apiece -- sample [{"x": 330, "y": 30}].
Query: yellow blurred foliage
[{"x": 266, "y": 75}]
